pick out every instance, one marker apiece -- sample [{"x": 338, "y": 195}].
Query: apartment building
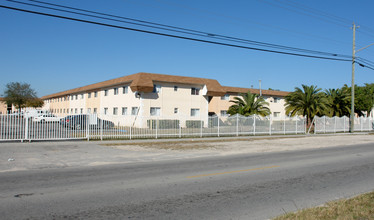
[
  {"x": 220, "y": 105},
  {"x": 147, "y": 95}
]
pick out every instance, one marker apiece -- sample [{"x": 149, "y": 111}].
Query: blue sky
[{"x": 54, "y": 55}]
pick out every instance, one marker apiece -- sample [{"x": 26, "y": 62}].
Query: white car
[{"x": 46, "y": 118}]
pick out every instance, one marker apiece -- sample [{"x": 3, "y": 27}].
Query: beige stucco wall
[
  {"x": 3, "y": 107},
  {"x": 92, "y": 102},
  {"x": 168, "y": 99}
]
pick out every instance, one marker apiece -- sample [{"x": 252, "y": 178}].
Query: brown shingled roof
[
  {"x": 255, "y": 91},
  {"x": 143, "y": 82}
]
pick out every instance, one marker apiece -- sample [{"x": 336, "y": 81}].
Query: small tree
[
  {"x": 249, "y": 104},
  {"x": 18, "y": 94},
  {"x": 34, "y": 103}
]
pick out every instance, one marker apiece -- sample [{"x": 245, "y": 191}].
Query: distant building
[{"x": 4, "y": 108}]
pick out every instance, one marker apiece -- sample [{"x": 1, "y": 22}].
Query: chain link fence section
[{"x": 336, "y": 124}]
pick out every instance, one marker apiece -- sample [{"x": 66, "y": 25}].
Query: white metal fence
[
  {"x": 341, "y": 124},
  {"x": 101, "y": 127}
]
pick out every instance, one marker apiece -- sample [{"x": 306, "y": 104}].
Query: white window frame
[
  {"x": 195, "y": 112},
  {"x": 155, "y": 111},
  {"x": 156, "y": 88},
  {"x": 225, "y": 97},
  {"x": 124, "y": 110},
  {"x": 125, "y": 89},
  {"x": 134, "y": 110},
  {"x": 195, "y": 91}
]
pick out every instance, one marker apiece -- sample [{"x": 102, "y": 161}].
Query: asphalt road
[{"x": 253, "y": 186}]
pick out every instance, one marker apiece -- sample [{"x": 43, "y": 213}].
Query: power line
[
  {"x": 171, "y": 28},
  {"x": 170, "y": 35},
  {"x": 186, "y": 31},
  {"x": 310, "y": 15},
  {"x": 252, "y": 21}
]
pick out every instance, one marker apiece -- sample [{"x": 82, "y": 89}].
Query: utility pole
[
  {"x": 352, "y": 119},
  {"x": 260, "y": 88}
]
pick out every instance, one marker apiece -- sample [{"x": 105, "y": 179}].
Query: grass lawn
[{"x": 360, "y": 208}]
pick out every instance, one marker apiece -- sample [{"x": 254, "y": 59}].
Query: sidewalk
[{"x": 44, "y": 155}]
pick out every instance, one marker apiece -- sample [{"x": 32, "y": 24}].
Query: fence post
[
  {"x": 101, "y": 129},
  {"x": 27, "y": 128},
  {"x": 324, "y": 124},
  {"x": 88, "y": 127},
  {"x": 156, "y": 127},
  {"x": 130, "y": 131},
  {"x": 335, "y": 125},
  {"x": 237, "y": 124},
  {"x": 270, "y": 121},
  {"x": 254, "y": 124},
  {"x": 361, "y": 122},
  {"x": 180, "y": 129},
  {"x": 201, "y": 128},
  {"x": 305, "y": 124},
  {"x": 218, "y": 125}
]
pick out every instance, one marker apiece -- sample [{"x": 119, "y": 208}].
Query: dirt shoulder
[{"x": 45, "y": 155}]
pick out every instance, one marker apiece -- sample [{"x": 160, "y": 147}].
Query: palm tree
[
  {"x": 308, "y": 102},
  {"x": 249, "y": 104},
  {"x": 338, "y": 102}
]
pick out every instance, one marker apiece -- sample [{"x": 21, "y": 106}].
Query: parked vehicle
[
  {"x": 46, "y": 118},
  {"x": 79, "y": 122},
  {"x": 31, "y": 112}
]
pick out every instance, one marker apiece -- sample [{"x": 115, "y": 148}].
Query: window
[
  {"x": 76, "y": 111},
  {"x": 195, "y": 91},
  {"x": 76, "y": 97},
  {"x": 89, "y": 95},
  {"x": 95, "y": 94},
  {"x": 276, "y": 100},
  {"x": 124, "y": 110},
  {"x": 224, "y": 113},
  {"x": 64, "y": 110},
  {"x": 81, "y": 110},
  {"x": 156, "y": 88},
  {"x": 71, "y": 111},
  {"x": 276, "y": 114},
  {"x": 67, "y": 111},
  {"x": 106, "y": 92},
  {"x": 195, "y": 112},
  {"x": 89, "y": 110},
  {"x": 95, "y": 110},
  {"x": 115, "y": 91},
  {"x": 175, "y": 110},
  {"x": 155, "y": 111},
  {"x": 105, "y": 111},
  {"x": 82, "y": 96},
  {"x": 115, "y": 111},
  {"x": 125, "y": 90},
  {"x": 134, "y": 110},
  {"x": 225, "y": 97},
  {"x": 175, "y": 88},
  {"x": 72, "y": 97}
]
